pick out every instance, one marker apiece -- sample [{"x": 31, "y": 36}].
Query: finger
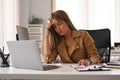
[
  {"x": 49, "y": 25},
  {"x": 81, "y": 62},
  {"x": 86, "y": 62}
]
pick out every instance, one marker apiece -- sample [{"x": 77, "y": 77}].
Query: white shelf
[
  {"x": 35, "y": 25},
  {"x": 36, "y": 32}
]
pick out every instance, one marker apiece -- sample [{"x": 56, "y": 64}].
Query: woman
[{"x": 73, "y": 46}]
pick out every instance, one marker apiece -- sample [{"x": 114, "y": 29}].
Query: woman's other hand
[{"x": 84, "y": 62}]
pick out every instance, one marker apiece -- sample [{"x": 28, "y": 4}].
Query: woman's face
[{"x": 60, "y": 26}]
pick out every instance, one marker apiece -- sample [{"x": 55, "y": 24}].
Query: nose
[{"x": 57, "y": 29}]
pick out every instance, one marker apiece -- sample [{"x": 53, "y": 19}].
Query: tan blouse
[{"x": 82, "y": 47}]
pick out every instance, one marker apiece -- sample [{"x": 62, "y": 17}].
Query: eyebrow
[{"x": 58, "y": 22}]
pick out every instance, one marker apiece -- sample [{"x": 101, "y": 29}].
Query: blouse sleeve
[
  {"x": 91, "y": 50},
  {"x": 52, "y": 57}
]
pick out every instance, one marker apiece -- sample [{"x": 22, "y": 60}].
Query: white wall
[
  {"x": 38, "y": 8},
  {"x": 117, "y": 20},
  {"x": 1, "y": 23},
  {"x": 24, "y": 12}
]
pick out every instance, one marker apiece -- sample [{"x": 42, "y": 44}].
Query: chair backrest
[
  {"x": 22, "y": 33},
  {"x": 102, "y": 38}
]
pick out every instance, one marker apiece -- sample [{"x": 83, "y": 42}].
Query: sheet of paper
[{"x": 90, "y": 68}]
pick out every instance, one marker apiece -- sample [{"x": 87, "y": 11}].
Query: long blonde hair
[{"x": 59, "y": 15}]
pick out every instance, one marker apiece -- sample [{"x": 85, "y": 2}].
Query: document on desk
[{"x": 90, "y": 68}]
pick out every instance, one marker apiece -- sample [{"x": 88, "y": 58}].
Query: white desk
[{"x": 65, "y": 72}]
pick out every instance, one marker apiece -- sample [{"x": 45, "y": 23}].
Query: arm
[
  {"x": 91, "y": 51},
  {"x": 48, "y": 54},
  {"x": 46, "y": 42}
]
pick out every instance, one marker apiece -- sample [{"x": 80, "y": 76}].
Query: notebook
[{"x": 25, "y": 54}]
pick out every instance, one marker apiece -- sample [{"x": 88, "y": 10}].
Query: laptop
[{"x": 25, "y": 54}]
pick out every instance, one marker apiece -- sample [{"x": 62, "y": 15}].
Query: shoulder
[{"x": 79, "y": 33}]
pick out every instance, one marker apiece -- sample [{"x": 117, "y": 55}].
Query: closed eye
[{"x": 59, "y": 24}]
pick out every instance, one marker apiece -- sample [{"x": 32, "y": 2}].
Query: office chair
[
  {"x": 22, "y": 33},
  {"x": 102, "y": 38}
]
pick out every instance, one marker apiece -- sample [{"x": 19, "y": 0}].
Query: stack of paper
[{"x": 113, "y": 64}]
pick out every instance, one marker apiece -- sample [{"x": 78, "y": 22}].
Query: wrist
[{"x": 47, "y": 32}]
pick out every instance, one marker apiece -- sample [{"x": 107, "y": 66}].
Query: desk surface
[{"x": 65, "y": 72}]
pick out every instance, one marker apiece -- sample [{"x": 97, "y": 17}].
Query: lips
[{"x": 59, "y": 32}]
